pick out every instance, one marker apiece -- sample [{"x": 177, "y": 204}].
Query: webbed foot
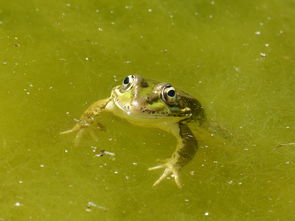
[
  {"x": 170, "y": 169},
  {"x": 80, "y": 131}
]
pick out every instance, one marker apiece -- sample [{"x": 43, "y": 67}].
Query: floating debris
[
  {"x": 263, "y": 54},
  {"x": 17, "y": 204},
  {"x": 285, "y": 144},
  {"x": 90, "y": 205},
  {"x": 104, "y": 152}
]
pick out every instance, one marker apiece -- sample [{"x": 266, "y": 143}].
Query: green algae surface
[{"x": 58, "y": 57}]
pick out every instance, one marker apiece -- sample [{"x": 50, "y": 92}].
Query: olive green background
[{"x": 57, "y": 57}]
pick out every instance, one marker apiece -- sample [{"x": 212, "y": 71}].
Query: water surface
[{"x": 57, "y": 57}]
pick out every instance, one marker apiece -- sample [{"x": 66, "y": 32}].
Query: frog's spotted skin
[{"x": 148, "y": 103}]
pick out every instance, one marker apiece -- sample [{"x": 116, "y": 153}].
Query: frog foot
[
  {"x": 170, "y": 169},
  {"x": 80, "y": 131}
]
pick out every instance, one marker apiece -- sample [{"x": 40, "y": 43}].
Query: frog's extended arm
[
  {"x": 88, "y": 120},
  {"x": 185, "y": 151}
]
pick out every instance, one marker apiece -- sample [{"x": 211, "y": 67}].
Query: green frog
[{"x": 153, "y": 104}]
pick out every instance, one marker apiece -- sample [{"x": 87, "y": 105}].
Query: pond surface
[{"x": 58, "y": 57}]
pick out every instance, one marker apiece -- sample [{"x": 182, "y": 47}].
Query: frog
[{"x": 152, "y": 104}]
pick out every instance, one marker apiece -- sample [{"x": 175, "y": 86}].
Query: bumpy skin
[{"x": 148, "y": 103}]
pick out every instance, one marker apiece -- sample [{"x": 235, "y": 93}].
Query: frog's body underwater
[{"x": 149, "y": 103}]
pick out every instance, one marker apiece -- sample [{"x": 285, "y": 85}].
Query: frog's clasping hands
[{"x": 149, "y": 103}]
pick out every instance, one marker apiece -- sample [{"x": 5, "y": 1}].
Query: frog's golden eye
[
  {"x": 128, "y": 82},
  {"x": 169, "y": 94}
]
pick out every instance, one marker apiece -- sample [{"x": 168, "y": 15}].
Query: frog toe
[
  {"x": 170, "y": 169},
  {"x": 74, "y": 129},
  {"x": 78, "y": 136}
]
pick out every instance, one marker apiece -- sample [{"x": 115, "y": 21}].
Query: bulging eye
[
  {"x": 169, "y": 94},
  {"x": 128, "y": 82}
]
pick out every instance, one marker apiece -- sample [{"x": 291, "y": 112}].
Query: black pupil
[
  {"x": 126, "y": 80},
  {"x": 171, "y": 93}
]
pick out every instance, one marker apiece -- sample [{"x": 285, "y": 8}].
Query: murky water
[{"x": 57, "y": 57}]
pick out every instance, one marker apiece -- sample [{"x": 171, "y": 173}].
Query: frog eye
[
  {"x": 128, "y": 82},
  {"x": 169, "y": 94}
]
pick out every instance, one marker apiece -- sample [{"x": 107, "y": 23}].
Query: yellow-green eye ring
[{"x": 169, "y": 94}]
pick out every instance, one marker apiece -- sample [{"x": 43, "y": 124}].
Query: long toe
[
  {"x": 157, "y": 167},
  {"x": 166, "y": 173}
]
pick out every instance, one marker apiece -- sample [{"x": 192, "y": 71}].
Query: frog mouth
[{"x": 135, "y": 108}]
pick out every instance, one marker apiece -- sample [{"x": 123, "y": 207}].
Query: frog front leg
[
  {"x": 184, "y": 153},
  {"x": 89, "y": 119}
]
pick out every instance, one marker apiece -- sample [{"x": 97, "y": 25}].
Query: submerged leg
[
  {"x": 88, "y": 120},
  {"x": 185, "y": 151}
]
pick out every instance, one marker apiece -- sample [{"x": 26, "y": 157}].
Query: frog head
[{"x": 150, "y": 99}]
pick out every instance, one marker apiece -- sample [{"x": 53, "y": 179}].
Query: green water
[{"x": 57, "y": 57}]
